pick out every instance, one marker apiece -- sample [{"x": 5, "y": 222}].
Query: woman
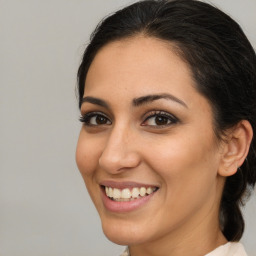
[{"x": 167, "y": 92}]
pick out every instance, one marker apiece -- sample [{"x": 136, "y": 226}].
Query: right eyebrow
[{"x": 95, "y": 101}]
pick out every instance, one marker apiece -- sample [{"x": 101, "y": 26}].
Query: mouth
[
  {"x": 122, "y": 197},
  {"x": 128, "y": 194}
]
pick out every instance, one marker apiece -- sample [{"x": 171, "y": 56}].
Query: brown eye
[
  {"x": 99, "y": 120},
  {"x": 159, "y": 119},
  {"x": 95, "y": 119}
]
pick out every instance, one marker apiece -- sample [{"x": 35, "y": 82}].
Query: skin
[{"x": 183, "y": 158}]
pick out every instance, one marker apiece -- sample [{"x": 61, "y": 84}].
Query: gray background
[{"x": 44, "y": 206}]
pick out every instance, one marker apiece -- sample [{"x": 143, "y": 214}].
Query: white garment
[{"x": 228, "y": 249}]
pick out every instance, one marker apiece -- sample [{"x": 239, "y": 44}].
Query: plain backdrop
[{"x": 44, "y": 206}]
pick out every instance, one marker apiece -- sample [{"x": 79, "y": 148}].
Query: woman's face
[{"x": 147, "y": 139}]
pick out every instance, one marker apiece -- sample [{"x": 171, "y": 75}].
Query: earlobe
[{"x": 236, "y": 148}]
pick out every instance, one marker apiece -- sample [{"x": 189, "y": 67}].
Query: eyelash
[
  {"x": 86, "y": 118},
  {"x": 171, "y": 120}
]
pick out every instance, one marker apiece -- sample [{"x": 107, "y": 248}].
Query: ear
[{"x": 236, "y": 148}]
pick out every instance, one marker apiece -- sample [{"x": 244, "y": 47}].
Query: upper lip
[{"x": 125, "y": 184}]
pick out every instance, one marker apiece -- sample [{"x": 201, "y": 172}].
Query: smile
[
  {"x": 128, "y": 194},
  {"x": 123, "y": 197}
]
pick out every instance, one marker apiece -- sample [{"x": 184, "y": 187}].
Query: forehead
[{"x": 138, "y": 66}]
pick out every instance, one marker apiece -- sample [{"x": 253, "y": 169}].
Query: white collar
[{"x": 228, "y": 249}]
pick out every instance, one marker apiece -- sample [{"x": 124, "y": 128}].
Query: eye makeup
[
  {"x": 95, "y": 119},
  {"x": 159, "y": 119}
]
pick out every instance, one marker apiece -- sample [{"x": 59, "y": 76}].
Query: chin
[{"x": 124, "y": 234}]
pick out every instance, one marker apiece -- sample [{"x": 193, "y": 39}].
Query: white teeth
[
  {"x": 135, "y": 192},
  {"x": 149, "y": 191},
  {"x": 128, "y": 194},
  {"x": 143, "y": 191},
  {"x": 110, "y": 192},
  {"x": 117, "y": 193}
]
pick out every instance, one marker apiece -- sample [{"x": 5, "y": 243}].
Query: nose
[{"x": 120, "y": 152}]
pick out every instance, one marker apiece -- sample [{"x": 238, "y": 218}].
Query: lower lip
[{"x": 126, "y": 206}]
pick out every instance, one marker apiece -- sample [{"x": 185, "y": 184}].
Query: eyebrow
[
  {"x": 149, "y": 98},
  {"x": 95, "y": 101},
  {"x": 137, "y": 101}
]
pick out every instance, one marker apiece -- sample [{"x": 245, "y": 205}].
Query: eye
[
  {"x": 95, "y": 119},
  {"x": 160, "y": 119}
]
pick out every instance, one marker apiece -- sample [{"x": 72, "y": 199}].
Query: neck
[
  {"x": 183, "y": 247},
  {"x": 201, "y": 237}
]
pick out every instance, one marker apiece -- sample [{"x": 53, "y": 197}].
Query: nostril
[{"x": 114, "y": 162}]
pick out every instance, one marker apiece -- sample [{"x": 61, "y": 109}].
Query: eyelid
[{"x": 87, "y": 109}]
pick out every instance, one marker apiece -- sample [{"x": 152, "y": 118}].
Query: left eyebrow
[{"x": 152, "y": 97}]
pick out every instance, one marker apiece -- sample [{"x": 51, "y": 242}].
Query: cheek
[
  {"x": 186, "y": 165},
  {"x": 87, "y": 155}
]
